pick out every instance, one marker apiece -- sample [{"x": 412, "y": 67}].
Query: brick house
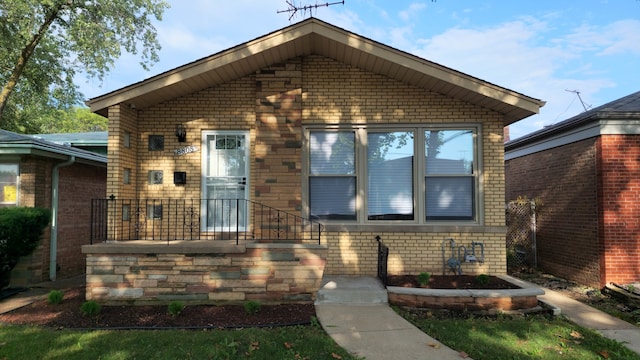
[
  {"x": 35, "y": 172},
  {"x": 330, "y": 126},
  {"x": 586, "y": 171}
]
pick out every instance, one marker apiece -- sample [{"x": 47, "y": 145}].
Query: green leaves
[{"x": 67, "y": 36}]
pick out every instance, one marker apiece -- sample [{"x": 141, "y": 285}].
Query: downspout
[{"x": 53, "y": 244}]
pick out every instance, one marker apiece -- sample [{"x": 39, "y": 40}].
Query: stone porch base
[{"x": 202, "y": 272}]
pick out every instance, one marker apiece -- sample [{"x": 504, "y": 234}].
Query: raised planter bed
[{"x": 520, "y": 298}]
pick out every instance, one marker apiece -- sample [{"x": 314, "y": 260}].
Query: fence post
[{"x": 533, "y": 234}]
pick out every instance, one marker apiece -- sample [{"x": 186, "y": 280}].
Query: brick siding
[
  {"x": 588, "y": 229},
  {"x": 78, "y": 184},
  {"x": 619, "y": 212},
  {"x": 273, "y": 104}
]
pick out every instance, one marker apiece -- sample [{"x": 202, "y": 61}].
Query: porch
[{"x": 148, "y": 251}]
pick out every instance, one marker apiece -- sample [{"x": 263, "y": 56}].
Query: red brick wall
[
  {"x": 79, "y": 184},
  {"x": 619, "y": 194},
  {"x": 564, "y": 179}
]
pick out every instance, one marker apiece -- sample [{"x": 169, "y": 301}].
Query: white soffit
[{"x": 309, "y": 37}]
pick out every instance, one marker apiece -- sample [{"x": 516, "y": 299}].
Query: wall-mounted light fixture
[{"x": 181, "y": 133}]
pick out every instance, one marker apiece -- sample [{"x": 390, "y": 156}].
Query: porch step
[{"x": 351, "y": 290}]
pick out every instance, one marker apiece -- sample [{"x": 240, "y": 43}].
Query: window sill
[{"x": 422, "y": 228}]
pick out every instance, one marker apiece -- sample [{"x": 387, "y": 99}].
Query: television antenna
[
  {"x": 577, "y": 92},
  {"x": 294, "y": 9}
]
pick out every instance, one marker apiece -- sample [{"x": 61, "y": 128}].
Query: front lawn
[
  {"x": 301, "y": 342},
  {"x": 515, "y": 337}
]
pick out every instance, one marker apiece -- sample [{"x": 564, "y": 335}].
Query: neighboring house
[
  {"x": 35, "y": 172},
  {"x": 328, "y": 125},
  {"x": 586, "y": 173}
]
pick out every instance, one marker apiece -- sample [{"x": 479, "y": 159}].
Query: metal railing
[
  {"x": 383, "y": 256},
  {"x": 197, "y": 219}
]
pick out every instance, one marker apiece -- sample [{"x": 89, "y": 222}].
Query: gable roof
[
  {"x": 17, "y": 144},
  {"x": 621, "y": 116},
  {"x": 316, "y": 37}
]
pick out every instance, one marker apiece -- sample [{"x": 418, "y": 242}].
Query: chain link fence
[{"x": 521, "y": 234}]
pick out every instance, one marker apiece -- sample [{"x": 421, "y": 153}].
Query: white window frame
[
  {"x": 419, "y": 190},
  {"x": 3, "y": 203}
]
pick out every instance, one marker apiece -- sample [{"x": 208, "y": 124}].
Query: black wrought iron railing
[
  {"x": 197, "y": 219},
  {"x": 383, "y": 257}
]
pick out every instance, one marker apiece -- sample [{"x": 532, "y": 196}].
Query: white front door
[{"x": 225, "y": 180}]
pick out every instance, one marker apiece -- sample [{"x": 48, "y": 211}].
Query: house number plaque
[{"x": 185, "y": 150}]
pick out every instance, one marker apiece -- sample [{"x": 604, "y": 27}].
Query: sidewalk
[
  {"x": 37, "y": 292},
  {"x": 584, "y": 315},
  {"x": 355, "y": 313}
]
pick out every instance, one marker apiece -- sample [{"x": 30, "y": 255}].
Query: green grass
[
  {"x": 302, "y": 342},
  {"x": 518, "y": 337}
]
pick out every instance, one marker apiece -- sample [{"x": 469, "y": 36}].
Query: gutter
[{"x": 53, "y": 244}]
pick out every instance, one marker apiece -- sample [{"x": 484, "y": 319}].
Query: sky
[{"x": 550, "y": 50}]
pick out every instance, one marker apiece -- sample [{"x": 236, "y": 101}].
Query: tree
[{"x": 43, "y": 43}]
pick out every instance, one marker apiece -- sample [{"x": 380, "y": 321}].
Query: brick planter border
[{"x": 525, "y": 298}]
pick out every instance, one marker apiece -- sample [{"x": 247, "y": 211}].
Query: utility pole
[{"x": 294, "y": 9}]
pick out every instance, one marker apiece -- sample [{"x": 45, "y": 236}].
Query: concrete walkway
[
  {"x": 374, "y": 331},
  {"x": 356, "y": 314},
  {"x": 605, "y": 324}
]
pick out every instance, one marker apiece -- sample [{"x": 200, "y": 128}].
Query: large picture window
[{"x": 375, "y": 175}]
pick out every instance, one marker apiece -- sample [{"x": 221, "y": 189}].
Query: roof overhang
[
  {"x": 315, "y": 37},
  {"x": 15, "y": 145}
]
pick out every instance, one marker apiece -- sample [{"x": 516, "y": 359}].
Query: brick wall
[
  {"x": 355, "y": 253},
  {"x": 564, "y": 180},
  {"x": 78, "y": 184},
  {"x": 619, "y": 198},
  {"x": 273, "y": 104}
]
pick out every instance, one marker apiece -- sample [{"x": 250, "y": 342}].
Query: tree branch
[{"x": 26, "y": 53}]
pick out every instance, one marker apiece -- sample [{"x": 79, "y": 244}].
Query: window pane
[
  {"x": 332, "y": 197},
  {"x": 449, "y": 152},
  {"x": 8, "y": 184},
  {"x": 332, "y": 153},
  {"x": 390, "y": 176},
  {"x": 226, "y": 155},
  {"x": 449, "y": 198}
]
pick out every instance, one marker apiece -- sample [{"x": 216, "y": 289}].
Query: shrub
[
  {"x": 20, "y": 231},
  {"x": 175, "y": 308},
  {"x": 55, "y": 297},
  {"x": 423, "y": 278},
  {"x": 252, "y": 307},
  {"x": 483, "y": 279},
  {"x": 90, "y": 308}
]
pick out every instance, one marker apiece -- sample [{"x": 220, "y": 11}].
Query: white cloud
[{"x": 412, "y": 11}]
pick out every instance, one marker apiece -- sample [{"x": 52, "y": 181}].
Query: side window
[
  {"x": 332, "y": 175},
  {"x": 449, "y": 175},
  {"x": 9, "y": 185}
]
